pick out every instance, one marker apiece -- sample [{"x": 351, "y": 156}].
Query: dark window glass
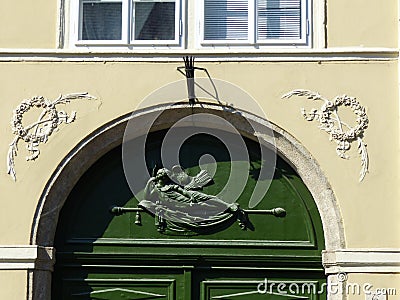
[
  {"x": 102, "y": 21},
  {"x": 154, "y": 20}
]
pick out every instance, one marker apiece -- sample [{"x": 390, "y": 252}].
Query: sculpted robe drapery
[{"x": 182, "y": 209}]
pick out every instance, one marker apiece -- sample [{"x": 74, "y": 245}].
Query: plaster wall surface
[{"x": 369, "y": 208}]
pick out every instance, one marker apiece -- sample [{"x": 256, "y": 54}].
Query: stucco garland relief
[
  {"x": 329, "y": 120},
  {"x": 38, "y": 132}
]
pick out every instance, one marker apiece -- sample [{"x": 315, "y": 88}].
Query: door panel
[
  {"x": 119, "y": 289},
  {"x": 249, "y": 290},
  {"x": 257, "y": 284},
  {"x": 116, "y": 283}
]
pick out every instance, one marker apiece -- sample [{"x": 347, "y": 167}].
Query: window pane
[
  {"x": 278, "y": 19},
  {"x": 226, "y": 19},
  {"x": 102, "y": 21},
  {"x": 154, "y": 20}
]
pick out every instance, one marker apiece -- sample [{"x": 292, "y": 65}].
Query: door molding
[
  {"x": 26, "y": 257},
  {"x": 362, "y": 260}
]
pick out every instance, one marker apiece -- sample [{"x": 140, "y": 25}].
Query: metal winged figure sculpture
[{"x": 180, "y": 208}]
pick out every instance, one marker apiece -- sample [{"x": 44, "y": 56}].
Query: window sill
[{"x": 208, "y": 55}]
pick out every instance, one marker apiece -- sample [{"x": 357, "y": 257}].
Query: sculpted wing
[
  {"x": 189, "y": 182},
  {"x": 198, "y": 181}
]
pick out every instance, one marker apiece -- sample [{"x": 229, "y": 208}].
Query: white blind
[
  {"x": 279, "y": 19},
  {"x": 226, "y": 19}
]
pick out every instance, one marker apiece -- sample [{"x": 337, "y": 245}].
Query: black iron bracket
[{"x": 189, "y": 74}]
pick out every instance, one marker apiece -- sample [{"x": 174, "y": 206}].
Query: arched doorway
[
  {"x": 223, "y": 264},
  {"x": 102, "y": 256}
]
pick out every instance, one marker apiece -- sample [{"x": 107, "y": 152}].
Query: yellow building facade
[{"x": 351, "y": 49}]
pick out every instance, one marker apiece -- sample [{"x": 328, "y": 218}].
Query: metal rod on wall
[{"x": 277, "y": 212}]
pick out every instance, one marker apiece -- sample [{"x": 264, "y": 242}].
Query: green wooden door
[{"x": 104, "y": 256}]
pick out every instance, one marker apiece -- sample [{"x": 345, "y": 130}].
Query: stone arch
[{"x": 110, "y": 135}]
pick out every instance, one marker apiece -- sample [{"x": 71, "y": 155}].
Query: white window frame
[
  {"x": 124, "y": 33},
  {"x": 305, "y": 22},
  {"x": 127, "y": 34},
  {"x": 304, "y": 41},
  {"x": 178, "y": 26},
  {"x": 191, "y": 32},
  {"x": 250, "y": 27}
]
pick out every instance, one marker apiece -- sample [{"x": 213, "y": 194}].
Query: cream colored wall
[
  {"x": 366, "y": 23},
  {"x": 13, "y": 284},
  {"x": 370, "y": 209},
  {"x": 28, "y": 24}
]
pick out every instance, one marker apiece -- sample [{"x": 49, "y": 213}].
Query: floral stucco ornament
[
  {"x": 38, "y": 132},
  {"x": 329, "y": 121}
]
